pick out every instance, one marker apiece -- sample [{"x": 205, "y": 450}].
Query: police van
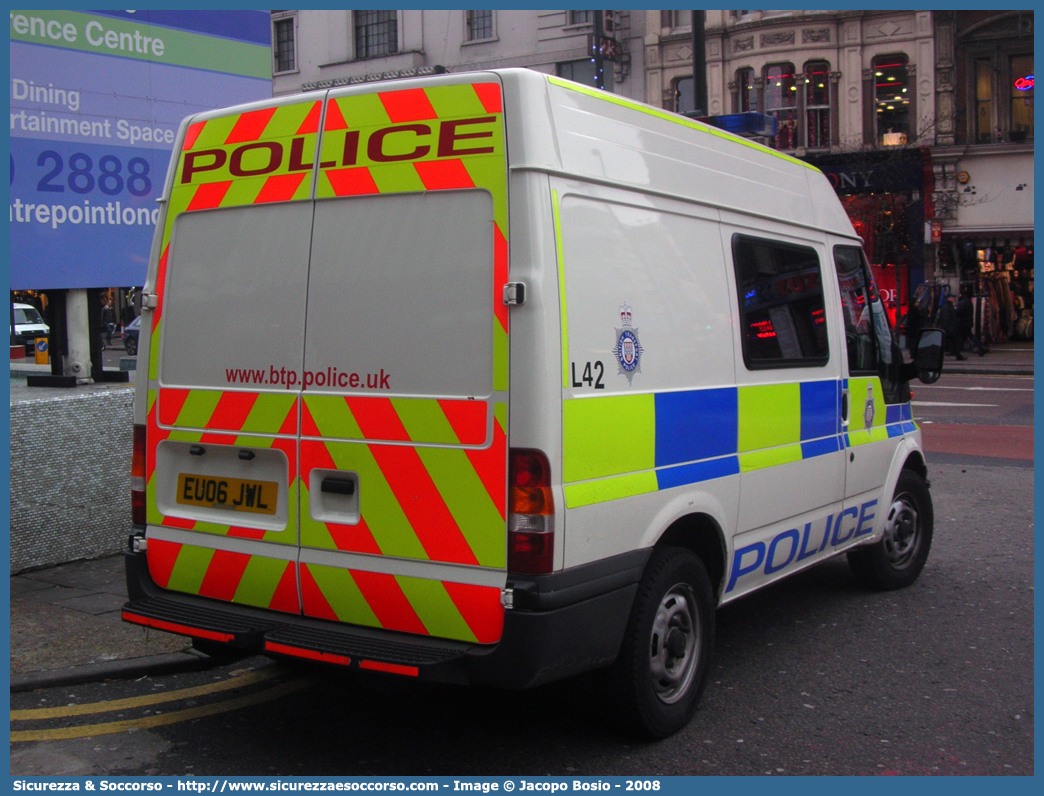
[{"x": 496, "y": 378}]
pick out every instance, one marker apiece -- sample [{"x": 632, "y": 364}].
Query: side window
[
  {"x": 782, "y": 316},
  {"x": 867, "y": 333}
]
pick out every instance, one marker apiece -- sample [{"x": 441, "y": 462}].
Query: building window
[
  {"x": 684, "y": 101},
  {"x": 782, "y": 315},
  {"x": 748, "y": 91},
  {"x": 584, "y": 72},
  {"x": 283, "y": 50},
  {"x": 781, "y": 101},
  {"x": 479, "y": 25},
  {"x": 817, "y": 103},
  {"x": 892, "y": 99},
  {"x": 376, "y": 33},
  {"x": 581, "y": 17},
  {"x": 1021, "y": 98},
  {"x": 983, "y": 100},
  {"x": 676, "y": 19}
]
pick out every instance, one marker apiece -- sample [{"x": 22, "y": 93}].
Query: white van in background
[
  {"x": 495, "y": 378},
  {"x": 28, "y": 324}
]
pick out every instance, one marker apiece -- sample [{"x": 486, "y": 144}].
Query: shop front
[{"x": 988, "y": 246}]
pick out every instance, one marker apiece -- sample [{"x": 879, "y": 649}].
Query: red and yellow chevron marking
[
  {"x": 432, "y": 503},
  {"x": 228, "y": 410},
  {"x": 384, "y": 419},
  {"x": 443, "y": 609},
  {"x": 225, "y": 575}
]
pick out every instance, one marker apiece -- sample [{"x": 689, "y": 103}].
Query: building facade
[
  {"x": 836, "y": 81},
  {"x": 922, "y": 120},
  {"x": 319, "y": 49}
]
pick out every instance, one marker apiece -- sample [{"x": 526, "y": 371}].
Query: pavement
[
  {"x": 65, "y": 621},
  {"x": 1003, "y": 359},
  {"x": 66, "y": 630}
]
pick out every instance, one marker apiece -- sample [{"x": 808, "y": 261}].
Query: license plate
[{"x": 231, "y": 494}]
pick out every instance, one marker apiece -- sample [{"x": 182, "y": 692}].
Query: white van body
[{"x": 514, "y": 376}]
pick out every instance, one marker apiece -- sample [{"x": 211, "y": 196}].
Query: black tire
[
  {"x": 132, "y": 346},
  {"x": 896, "y": 561},
  {"x": 661, "y": 671}
]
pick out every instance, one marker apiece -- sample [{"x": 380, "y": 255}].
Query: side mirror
[{"x": 929, "y": 359}]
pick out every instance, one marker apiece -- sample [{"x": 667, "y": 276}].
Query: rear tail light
[
  {"x": 531, "y": 513},
  {"x": 138, "y": 477}
]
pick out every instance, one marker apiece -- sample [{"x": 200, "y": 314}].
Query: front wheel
[
  {"x": 662, "y": 667},
  {"x": 131, "y": 345},
  {"x": 897, "y": 559}
]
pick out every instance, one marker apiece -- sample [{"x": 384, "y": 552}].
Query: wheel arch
[
  {"x": 700, "y": 533},
  {"x": 915, "y": 461}
]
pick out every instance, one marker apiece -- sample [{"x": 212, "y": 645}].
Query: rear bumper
[{"x": 561, "y": 624}]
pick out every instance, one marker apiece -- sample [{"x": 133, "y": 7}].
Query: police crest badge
[
  {"x": 868, "y": 412},
  {"x": 628, "y": 350}
]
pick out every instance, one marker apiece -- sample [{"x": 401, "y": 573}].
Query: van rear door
[
  {"x": 224, "y": 490},
  {"x": 230, "y": 286},
  {"x": 404, "y": 413}
]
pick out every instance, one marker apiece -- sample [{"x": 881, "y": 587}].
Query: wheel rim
[
  {"x": 902, "y": 534},
  {"x": 675, "y": 644}
]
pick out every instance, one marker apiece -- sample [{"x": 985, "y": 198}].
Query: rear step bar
[
  {"x": 301, "y": 637},
  {"x": 255, "y": 631}
]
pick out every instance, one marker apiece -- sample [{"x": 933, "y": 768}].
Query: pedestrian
[
  {"x": 966, "y": 323},
  {"x": 913, "y": 328},
  {"x": 108, "y": 319},
  {"x": 948, "y": 323}
]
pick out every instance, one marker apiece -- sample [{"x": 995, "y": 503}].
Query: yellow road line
[
  {"x": 108, "y": 728},
  {"x": 148, "y": 699}
]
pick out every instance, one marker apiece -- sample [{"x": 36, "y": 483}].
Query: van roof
[
  {"x": 561, "y": 127},
  {"x": 597, "y": 135}
]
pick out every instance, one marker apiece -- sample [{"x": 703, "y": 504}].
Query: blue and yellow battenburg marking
[{"x": 618, "y": 446}]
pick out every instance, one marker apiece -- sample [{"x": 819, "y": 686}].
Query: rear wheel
[
  {"x": 897, "y": 559},
  {"x": 131, "y": 345},
  {"x": 662, "y": 667}
]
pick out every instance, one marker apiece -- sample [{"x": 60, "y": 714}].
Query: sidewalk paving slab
[{"x": 66, "y": 630}]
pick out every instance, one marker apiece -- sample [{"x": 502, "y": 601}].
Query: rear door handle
[
  {"x": 338, "y": 486},
  {"x": 844, "y": 406}
]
